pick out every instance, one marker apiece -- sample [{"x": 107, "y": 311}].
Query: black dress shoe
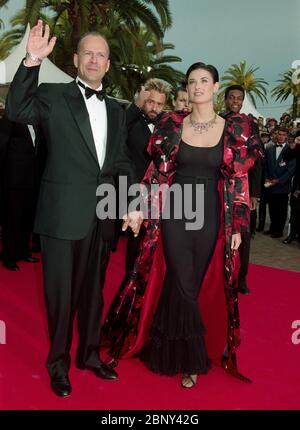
[
  {"x": 30, "y": 259},
  {"x": 61, "y": 385},
  {"x": 289, "y": 239},
  {"x": 243, "y": 289},
  {"x": 102, "y": 370},
  {"x": 11, "y": 265}
]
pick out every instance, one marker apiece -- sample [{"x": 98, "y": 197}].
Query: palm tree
[
  {"x": 148, "y": 59},
  {"x": 136, "y": 53},
  {"x": 288, "y": 87},
  {"x": 238, "y": 74},
  {"x": 3, "y": 3},
  {"x": 85, "y": 15}
]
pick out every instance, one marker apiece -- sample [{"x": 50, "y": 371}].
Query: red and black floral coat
[{"x": 127, "y": 325}]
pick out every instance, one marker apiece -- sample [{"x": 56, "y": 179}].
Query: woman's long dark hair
[{"x": 208, "y": 67}]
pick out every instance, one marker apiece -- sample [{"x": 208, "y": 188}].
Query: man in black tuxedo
[
  {"x": 234, "y": 98},
  {"x": 19, "y": 185},
  {"x": 86, "y": 134},
  {"x": 141, "y": 117},
  {"x": 278, "y": 173},
  {"x": 293, "y": 152}
]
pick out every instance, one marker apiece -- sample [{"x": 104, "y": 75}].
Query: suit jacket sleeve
[
  {"x": 124, "y": 165},
  {"x": 290, "y": 154},
  {"x": 133, "y": 113},
  {"x": 288, "y": 174},
  {"x": 5, "y": 131},
  {"x": 26, "y": 102}
]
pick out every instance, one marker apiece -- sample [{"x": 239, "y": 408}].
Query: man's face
[
  {"x": 234, "y": 101},
  {"x": 282, "y": 137},
  {"x": 92, "y": 60},
  {"x": 154, "y": 105},
  {"x": 274, "y": 136},
  {"x": 264, "y": 139},
  {"x": 181, "y": 102}
]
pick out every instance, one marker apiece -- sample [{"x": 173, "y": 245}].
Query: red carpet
[{"x": 267, "y": 354}]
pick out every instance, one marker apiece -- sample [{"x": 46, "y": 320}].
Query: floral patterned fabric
[{"x": 129, "y": 319}]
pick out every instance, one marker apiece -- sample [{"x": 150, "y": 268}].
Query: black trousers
[
  {"x": 253, "y": 220},
  {"x": 295, "y": 215},
  {"x": 278, "y": 207},
  {"x": 262, "y": 210},
  {"x": 17, "y": 222},
  {"x": 74, "y": 276},
  {"x": 244, "y": 251}
]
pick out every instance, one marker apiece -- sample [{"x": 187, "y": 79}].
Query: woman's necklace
[{"x": 201, "y": 127}]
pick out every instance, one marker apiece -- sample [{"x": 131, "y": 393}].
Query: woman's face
[{"x": 201, "y": 87}]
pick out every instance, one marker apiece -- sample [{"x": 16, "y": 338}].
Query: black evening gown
[{"x": 177, "y": 342}]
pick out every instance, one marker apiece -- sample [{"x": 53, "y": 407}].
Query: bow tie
[
  {"x": 89, "y": 92},
  {"x": 280, "y": 146},
  {"x": 149, "y": 121}
]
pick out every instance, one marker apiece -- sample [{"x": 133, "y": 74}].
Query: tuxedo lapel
[
  {"x": 273, "y": 159},
  {"x": 79, "y": 111}
]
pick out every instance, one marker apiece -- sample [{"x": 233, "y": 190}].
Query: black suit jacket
[
  {"x": 137, "y": 140},
  {"x": 280, "y": 169},
  {"x": 19, "y": 162},
  {"x": 67, "y": 200}
]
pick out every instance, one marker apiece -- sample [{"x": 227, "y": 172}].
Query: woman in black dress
[
  {"x": 162, "y": 324},
  {"x": 177, "y": 335}
]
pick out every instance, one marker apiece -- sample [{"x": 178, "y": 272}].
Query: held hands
[
  {"x": 142, "y": 97},
  {"x": 38, "y": 44},
  {"x": 235, "y": 242},
  {"x": 134, "y": 220}
]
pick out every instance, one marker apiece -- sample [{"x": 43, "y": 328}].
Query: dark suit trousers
[
  {"x": 74, "y": 276},
  {"x": 244, "y": 251},
  {"x": 17, "y": 224},
  {"x": 262, "y": 211},
  {"x": 278, "y": 207}
]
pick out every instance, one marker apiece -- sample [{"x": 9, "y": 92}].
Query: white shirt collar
[{"x": 87, "y": 85}]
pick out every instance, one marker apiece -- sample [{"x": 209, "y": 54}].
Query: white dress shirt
[
  {"x": 151, "y": 127},
  {"x": 278, "y": 150},
  {"x": 98, "y": 120},
  {"x": 32, "y": 133}
]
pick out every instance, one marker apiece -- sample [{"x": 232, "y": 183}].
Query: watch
[{"x": 33, "y": 58}]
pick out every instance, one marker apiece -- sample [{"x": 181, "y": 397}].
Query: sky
[{"x": 265, "y": 33}]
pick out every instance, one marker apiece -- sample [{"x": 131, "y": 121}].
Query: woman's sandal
[{"x": 188, "y": 381}]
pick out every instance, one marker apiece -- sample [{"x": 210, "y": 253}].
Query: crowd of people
[{"x": 162, "y": 311}]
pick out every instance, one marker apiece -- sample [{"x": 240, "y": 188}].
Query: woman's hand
[
  {"x": 235, "y": 241},
  {"x": 134, "y": 220}
]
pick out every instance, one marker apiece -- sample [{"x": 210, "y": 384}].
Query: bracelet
[{"x": 33, "y": 58}]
